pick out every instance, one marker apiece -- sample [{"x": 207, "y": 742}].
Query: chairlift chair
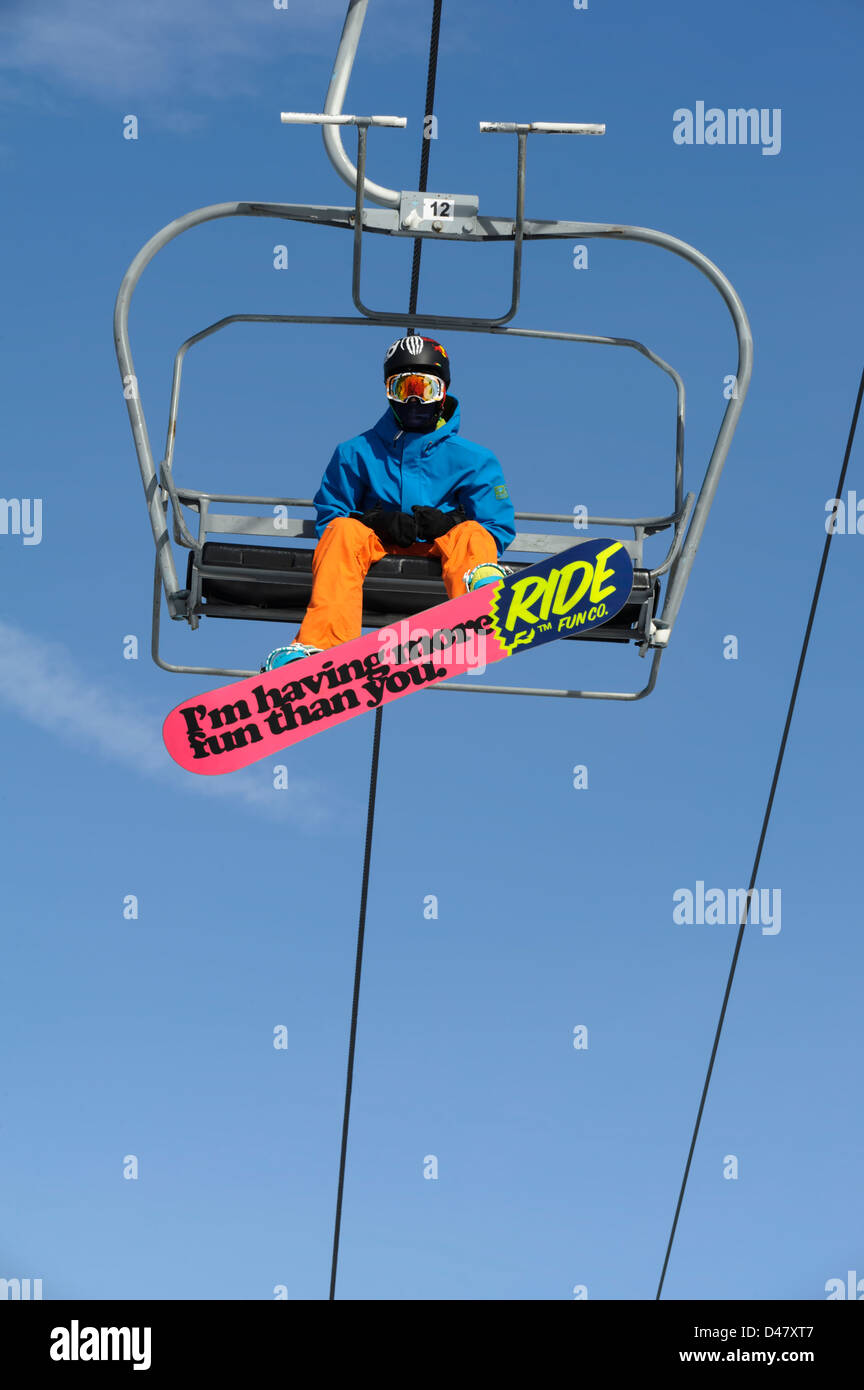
[{"x": 240, "y": 579}]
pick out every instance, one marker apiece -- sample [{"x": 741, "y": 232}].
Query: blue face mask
[{"x": 417, "y": 416}]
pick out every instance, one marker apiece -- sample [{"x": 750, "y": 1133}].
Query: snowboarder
[{"x": 408, "y": 486}]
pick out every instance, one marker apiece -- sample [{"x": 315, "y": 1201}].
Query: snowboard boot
[
  {"x": 282, "y": 656},
  {"x": 487, "y": 573}
]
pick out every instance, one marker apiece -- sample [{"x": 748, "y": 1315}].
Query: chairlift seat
[{"x": 274, "y": 583}]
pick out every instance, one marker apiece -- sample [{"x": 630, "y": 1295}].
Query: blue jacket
[{"x": 400, "y": 469}]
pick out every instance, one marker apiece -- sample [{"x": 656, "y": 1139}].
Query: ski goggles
[{"x": 423, "y": 385}]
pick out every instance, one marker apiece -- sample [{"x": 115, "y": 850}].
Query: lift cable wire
[
  {"x": 358, "y": 966},
  {"x": 765, "y": 820},
  {"x": 432, "y": 73},
  {"x": 376, "y": 737}
]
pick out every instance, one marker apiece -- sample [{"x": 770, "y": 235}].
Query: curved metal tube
[{"x": 335, "y": 100}]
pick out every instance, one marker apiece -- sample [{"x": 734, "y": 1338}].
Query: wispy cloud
[
  {"x": 176, "y": 49},
  {"x": 40, "y": 682}
]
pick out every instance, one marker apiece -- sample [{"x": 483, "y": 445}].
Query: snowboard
[{"x": 235, "y": 725}]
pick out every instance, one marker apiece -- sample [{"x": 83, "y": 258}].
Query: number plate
[{"x": 439, "y": 209}]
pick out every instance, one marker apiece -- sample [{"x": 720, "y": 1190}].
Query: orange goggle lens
[{"x": 420, "y": 384}]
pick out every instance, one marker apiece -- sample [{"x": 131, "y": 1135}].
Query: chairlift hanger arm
[{"x": 335, "y": 99}]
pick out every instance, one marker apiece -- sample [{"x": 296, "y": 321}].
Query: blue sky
[{"x": 557, "y": 1167}]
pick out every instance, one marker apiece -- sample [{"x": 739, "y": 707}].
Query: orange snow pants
[{"x": 342, "y": 558}]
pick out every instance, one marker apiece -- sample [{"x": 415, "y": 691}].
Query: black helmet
[{"x": 417, "y": 354}]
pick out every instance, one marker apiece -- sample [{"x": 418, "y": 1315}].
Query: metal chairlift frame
[{"x": 403, "y": 214}]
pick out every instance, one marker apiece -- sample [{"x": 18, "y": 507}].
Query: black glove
[
  {"x": 431, "y": 523},
  {"x": 391, "y": 528}
]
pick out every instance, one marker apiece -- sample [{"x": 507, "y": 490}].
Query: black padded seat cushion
[
  {"x": 287, "y": 578},
  {"x": 266, "y": 577}
]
